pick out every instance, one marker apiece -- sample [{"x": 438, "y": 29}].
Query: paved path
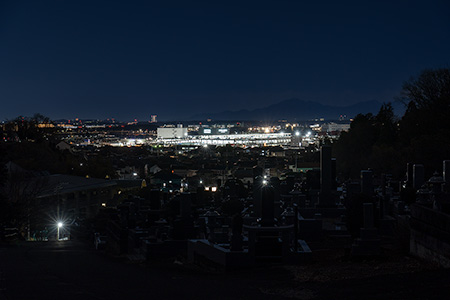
[{"x": 71, "y": 270}]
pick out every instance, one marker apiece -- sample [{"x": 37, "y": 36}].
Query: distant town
[
  {"x": 97, "y": 133},
  {"x": 224, "y": 150},
  {"x": 220, "y": 197}
]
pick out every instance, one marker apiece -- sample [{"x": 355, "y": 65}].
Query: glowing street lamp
[{"x": 59, "y": 225}]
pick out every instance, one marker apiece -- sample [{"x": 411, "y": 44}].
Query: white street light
[{"x": 60, "y": 224}]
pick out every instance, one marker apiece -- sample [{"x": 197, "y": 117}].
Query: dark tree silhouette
[
  {"x": 430, "y": 91},
  {"x": 35, "y": 128},
  {"x": 424, "y": 127},
  {"x": 354, "y": 148},
  {"x": 385, "y": 144}
]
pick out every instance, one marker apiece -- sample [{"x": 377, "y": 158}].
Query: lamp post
[{"x": 60, "y": 224}]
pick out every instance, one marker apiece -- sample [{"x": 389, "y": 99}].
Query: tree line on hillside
[
  {"x": 385, "y": 143},
  {"x": 31, "y": 144},
  {"x": 36, "y": 128}
]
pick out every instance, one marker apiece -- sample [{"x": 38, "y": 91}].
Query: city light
[
  {"x": 252, "y": 139},
  {"x": 59, "y": 225}
]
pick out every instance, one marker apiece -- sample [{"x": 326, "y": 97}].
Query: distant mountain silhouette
[{"x": 295, "y": 109}]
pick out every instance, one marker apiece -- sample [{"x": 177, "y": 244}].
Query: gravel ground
[{"x": 73, "y": 270}]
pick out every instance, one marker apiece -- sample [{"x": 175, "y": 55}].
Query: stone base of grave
[{"x": 368, "y": 244}]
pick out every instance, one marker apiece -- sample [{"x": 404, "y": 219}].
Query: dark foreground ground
[{"x": 72, "y": 270}]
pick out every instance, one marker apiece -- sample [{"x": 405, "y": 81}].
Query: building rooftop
[{"x": 64, "y": 184}]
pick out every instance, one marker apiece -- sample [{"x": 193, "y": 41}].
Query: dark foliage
[
  {"x": 36, "y": 128},
  {"x": 386, "y": 144}
]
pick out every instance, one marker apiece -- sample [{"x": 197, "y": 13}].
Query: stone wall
[{"x": 430, "y": 235}]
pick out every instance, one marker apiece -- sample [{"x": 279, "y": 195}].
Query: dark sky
[{"x": 130, "y": 59}]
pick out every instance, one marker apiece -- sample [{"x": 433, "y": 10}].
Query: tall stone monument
[
  {"x": 367, "y": 182},
  {"x": 446, "y": 174},
  {"x": 418, "y": 176},
  {"x": 326, "y": 198}
]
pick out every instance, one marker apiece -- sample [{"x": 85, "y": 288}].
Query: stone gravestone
[
  {"x": 267, "y": 205},
  {"x": 367, "y": 182},
  {"x": 236, "y": 233},
  {"x": 368, "y": 244},
  {"x": 418, "y": 176},
  {"x": 409, "y": 174},
  {"x": 326, "y": 198},
  {"x": 446, "y": 175}
]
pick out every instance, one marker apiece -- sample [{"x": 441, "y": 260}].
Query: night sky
[{"x": 131, "y": 59}]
